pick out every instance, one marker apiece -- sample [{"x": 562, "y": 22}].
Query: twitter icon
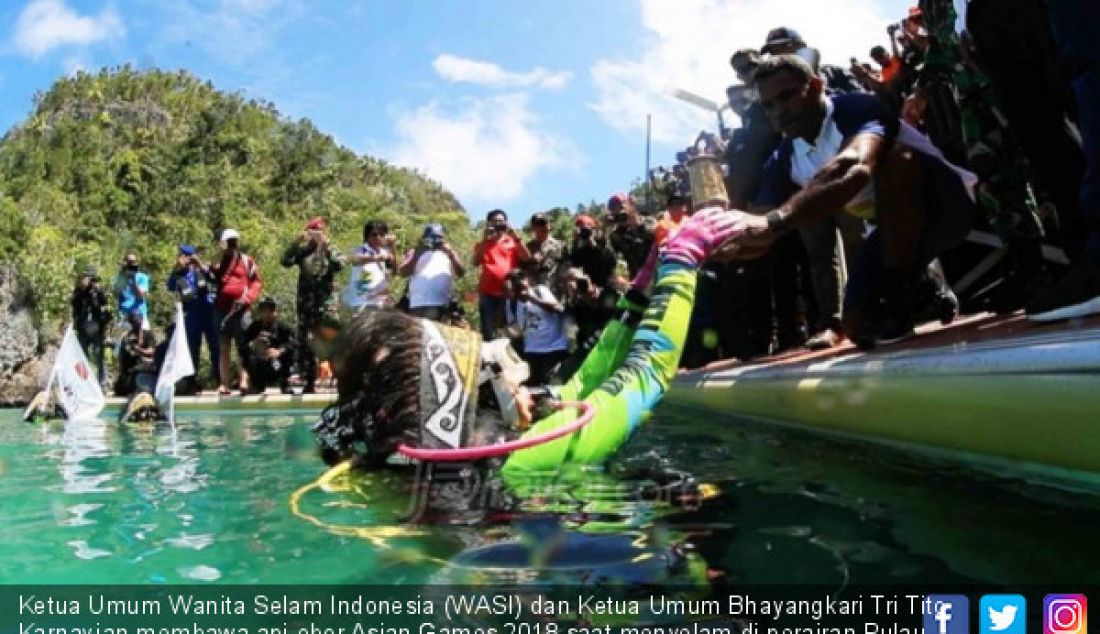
[{"x": 1003, "y": 614}]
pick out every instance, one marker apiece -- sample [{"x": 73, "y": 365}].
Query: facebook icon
[{"x": 946, "y": 614}]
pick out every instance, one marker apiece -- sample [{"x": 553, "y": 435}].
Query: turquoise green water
[{"x": 100, "y": 503}]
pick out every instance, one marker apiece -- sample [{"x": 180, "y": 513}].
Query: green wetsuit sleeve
[
  {"x": 605, "y": 356},
  {"x": 633, "y": 389}
]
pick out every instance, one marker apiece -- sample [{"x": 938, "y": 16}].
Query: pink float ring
[{"x": 501, "y": 449}]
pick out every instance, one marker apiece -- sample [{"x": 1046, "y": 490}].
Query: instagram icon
[{"x": 1065, "y": 614}]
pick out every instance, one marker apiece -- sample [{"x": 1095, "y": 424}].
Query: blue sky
[{"x": 522, "y": 105}]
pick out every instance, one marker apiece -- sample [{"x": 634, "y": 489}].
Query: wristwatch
[{"x": 776, "y": 223}]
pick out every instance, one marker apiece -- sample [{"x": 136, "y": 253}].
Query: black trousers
[
  {"x": 264, "y": 374},
  {"x": 1018, "y": 53}
]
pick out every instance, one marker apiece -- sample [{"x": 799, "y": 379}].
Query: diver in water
[
  {"x": 137, "y": 370},
  {"x": 137, "y": 376},
  {"x": 414, "y": 389}
]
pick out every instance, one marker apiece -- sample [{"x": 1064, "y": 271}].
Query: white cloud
[
  {"x": 460, "y": 69},
  {"x": 691, "y": 48},
  {"x": 485, "y": 152},
  {"x": 45, "y": 25}
]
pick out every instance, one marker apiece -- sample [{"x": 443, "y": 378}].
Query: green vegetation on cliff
[{"x": 126, "y": 160}]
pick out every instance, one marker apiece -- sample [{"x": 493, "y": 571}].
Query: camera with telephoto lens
[{"x": 584, "y": 233}]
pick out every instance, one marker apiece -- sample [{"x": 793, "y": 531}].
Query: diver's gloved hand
[{"x": 702, "y": 234}]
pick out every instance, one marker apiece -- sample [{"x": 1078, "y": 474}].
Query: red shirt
[
  {"x": 238, "y": 279},
  {"x": 891, "y": 70},
  {"x": 499, "y": 258}
]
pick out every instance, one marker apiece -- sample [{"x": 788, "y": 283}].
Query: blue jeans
[
  {"x": 1074, "y": 23},
  {"x": 490, "y": 309}
]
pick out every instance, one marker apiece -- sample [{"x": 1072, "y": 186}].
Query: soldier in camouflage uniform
[
  {"x": 1016, "y": 49},
  {"x": 317, "y": 302},
  {"x": 963, "y": 113}
]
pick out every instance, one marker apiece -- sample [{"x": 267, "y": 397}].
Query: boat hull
[{"x": 1028, "y": 401}]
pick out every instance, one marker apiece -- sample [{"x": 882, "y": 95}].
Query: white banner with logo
[{"x": 77, "y": 385}]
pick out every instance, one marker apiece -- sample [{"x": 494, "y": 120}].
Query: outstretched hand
[{"x": 703, "y": 233}]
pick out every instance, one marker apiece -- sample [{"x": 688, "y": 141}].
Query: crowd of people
[
  {"x": 855, "y": 182},
  {"x": 860, "y": 180}
]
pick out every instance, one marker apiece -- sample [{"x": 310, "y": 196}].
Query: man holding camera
[
  {"x": 317, "y": 265},
  {"x": 431, "y": 269},
  {"x": 373, "y": 264},
  {"x": 499, "y": 252},
  {"x": 190, "y": 281},
  {"x": 91, "y": 317},
  {"x": 631, "y": 238},
  {"x": 541, "y": 318},
  {"x": 589, "y": 254},
  {"x": 131, "y": 289},
  {"x": 270, "y": 349},
  {"x": 548, "y": 254},
  {"x": 238, "y": 279}
]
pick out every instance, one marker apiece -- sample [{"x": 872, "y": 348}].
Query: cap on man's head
[
  {"x": 187, "y": 249},
  {"x": 915, "y": 12},
  {"x": 538, "y": 219},
  {"x": 617, "y": 201},
  {"x": 776, "y": 64},
  {"x": 90, "y": 271},
  {"x": 316, "y": 224},
  {"x": 230, "y": 234},
  {"x": 781, "y": 37},
  {"x": 268, "y": 302},
  {"x": 434, "y": 230},
  {"x": 496, "y": 212},
  {"x": 585, "y": 222}
]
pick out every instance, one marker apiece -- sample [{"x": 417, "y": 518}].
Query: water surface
[{"x": 103, "y": 503}]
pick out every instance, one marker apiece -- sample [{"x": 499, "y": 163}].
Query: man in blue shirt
[
  {"x": 190, "y": 282},
  {"x": 850, "y": 153},
  {"x": 131, "y": 290}
]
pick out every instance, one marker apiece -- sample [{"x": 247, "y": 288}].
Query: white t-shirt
[
  {"x": 807, "y": 160},
  {"x": 432, "y": 279},
  {"x": 543, "y": 330},
  {"x": 370, "y": 283}
]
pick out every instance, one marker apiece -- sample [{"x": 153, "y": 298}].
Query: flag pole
[{"x": 648, "y": 175}]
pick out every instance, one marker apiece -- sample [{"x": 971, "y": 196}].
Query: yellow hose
[{"x": 376, "y": 535}]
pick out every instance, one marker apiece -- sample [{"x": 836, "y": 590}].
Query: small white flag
[
  {"x": 177, "y": 365},
  {"x": 77, "y": 386}
]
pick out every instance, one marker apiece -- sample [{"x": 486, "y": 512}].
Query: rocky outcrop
[{"x": 23, "y": 368}]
